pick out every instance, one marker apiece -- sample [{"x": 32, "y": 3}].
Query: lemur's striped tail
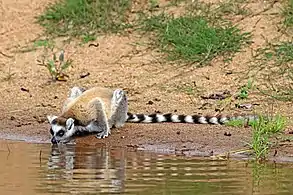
[{"x": 174, "y": 118}]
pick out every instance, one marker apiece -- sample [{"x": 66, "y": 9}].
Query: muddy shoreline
[{"x": 179, "y": 139}]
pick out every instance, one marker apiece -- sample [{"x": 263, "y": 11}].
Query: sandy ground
[{"x": 153, "y": 85}]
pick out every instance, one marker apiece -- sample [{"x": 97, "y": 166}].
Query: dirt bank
[{"x": 28, "y": 95}]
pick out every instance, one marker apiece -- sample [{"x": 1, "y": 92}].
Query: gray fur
[
  {"x": 74, "y": 93},
  {"x": 100, "y": 123},
  {"x": 119, "y": 108}
]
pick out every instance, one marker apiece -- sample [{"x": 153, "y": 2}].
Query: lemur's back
[{"x": 79, "y": 107}]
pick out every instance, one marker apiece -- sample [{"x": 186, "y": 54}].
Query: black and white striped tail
[{"x": 174, "y": 118}]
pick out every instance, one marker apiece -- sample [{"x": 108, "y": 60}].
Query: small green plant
[
  {"x": 193, "y": 39},
  {"x": 262, "y": 130},
  {"x": 235, "y": 123},
  {"x": 240, "y": 123},
  {"x": 88, "y": 38},
  {"x": 243, "y": 94},
  {"x": 82, "y": 17},
  {"x": 43, "y": 43},
  {"x": 56, "y": 67}
]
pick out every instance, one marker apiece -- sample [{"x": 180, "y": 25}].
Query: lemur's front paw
[{"x": 103, "y": 134}]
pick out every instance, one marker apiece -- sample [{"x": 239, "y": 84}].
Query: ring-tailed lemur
[{"x": 97, "y": 110}]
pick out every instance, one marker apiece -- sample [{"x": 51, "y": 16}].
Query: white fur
[
  {"x": 223, "y": 119},
  {"x": 75, "y": 92},
  {"x": 175, "y": 119},
  {"x": 160, "y": 118},
  {"x": 114, "y": 101},
  {"x": 214, "y": 120},
  {"x": 147, "y": 119},
  {"x": 188, "y": 119},
  {"x": 69, "y": 123},
  {"x": 56, "y": 128},
  {"x": 51, "y": 118},
  {"x": 202, "y": 120},
  {"x": 135, "y": 119}
]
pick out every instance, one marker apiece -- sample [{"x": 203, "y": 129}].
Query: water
[{"x": 27, "y": 168}]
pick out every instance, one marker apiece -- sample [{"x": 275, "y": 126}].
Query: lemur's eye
[
  {"x": 51, "y": 131},
  {"x": 60, "y": 133}
]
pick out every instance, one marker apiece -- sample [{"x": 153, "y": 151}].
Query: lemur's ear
[
  {"x": 75, "y": 92},
  {"x": 69, "y": 124},
  {"x": 51, "y": 118}
]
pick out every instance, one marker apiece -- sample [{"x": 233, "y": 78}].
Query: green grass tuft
[
  {"x": 85, "y": 17},
  {"x": 239, "y": 123},
  {"x": 189, "y": 37},
  {"x": 244, "y": 91},
  {"x": 263, "y": 129},
  {"x": 193, "y": 39},
  {"x": 235, "y": 123}
]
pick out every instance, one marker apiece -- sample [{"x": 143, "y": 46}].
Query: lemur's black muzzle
[{"x": 53, "y": 140}]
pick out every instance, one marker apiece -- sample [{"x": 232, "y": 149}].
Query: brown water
[{"x": 27, "y": 168}]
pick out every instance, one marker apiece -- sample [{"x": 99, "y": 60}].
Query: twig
[
  {"x": 5, "y": 55},
  {"x": 40, "y": 157},
  {"x": 94, "y": 45}
]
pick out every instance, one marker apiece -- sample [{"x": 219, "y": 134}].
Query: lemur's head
[{"x": 61, "y": 129}]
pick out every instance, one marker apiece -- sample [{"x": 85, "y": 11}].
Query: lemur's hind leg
[
  {"x": 100, "y": 122},
  {"x": 119, "y": 108},
  {"x": 74, "y": 93}
]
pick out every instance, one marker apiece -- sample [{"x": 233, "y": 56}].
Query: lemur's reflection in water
[{"x": 87, "y": 167}]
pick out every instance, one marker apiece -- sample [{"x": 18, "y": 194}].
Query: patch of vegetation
[
  {"x": 272, "y": 66},
  {"x": 56, "y": 67},
  {"x": 287, "y": 13},
  {"x": 240, "y": 123},
  {"x": 88, "y": 38},
  {"x": 193, "y": 39},
  {"x": 41, "y": 43},
  {"x": 85, "y": 17},
  {"x": 190, "y": 37},
  {"x": 262, "y": 130},
  {"x": 243, "y": 94}
]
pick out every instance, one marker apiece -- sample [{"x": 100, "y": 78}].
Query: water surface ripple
[{"x": 42, "y": 169}]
